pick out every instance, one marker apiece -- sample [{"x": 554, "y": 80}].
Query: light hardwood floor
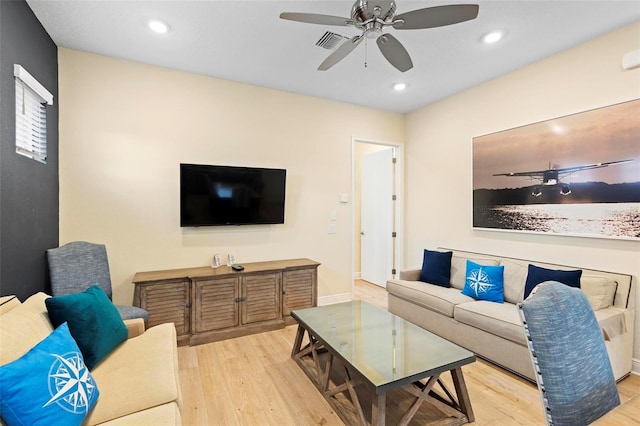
[{"x": 252, "y": 380}]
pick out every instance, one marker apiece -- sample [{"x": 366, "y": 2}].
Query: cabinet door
[
  {"x": 167, "y": 302},
  {"x": 261, "y": 297},
  {"x": 299, "y": 289},
  {"x": 215, "y": 304}
]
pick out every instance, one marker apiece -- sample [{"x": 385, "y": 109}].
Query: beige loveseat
[
  {"x": 493, "y": 330},
  {"x": 138, "y": 381}
]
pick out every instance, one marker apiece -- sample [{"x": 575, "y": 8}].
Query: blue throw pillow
[
  {"x": 484, "y": 282},
  {"x": 93, "y": 320},
  {"x": 436, "y": 268},
  {"x": 49, "y": 385},
  {"x": 537, "y": 275}
]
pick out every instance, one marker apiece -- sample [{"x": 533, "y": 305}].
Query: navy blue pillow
[
  {"x": 537, "y": 275},
  {"x": 436, "y": 268}
]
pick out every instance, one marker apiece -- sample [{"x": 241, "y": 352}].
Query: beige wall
[
  {"x": 438, "y": 154},
  {"x": 125, "y": 127}
]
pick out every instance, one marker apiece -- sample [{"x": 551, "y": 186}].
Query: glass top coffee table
[{"x": 354, "y": 349}]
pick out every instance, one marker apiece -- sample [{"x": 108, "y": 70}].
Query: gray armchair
[
  {"x": 569, "y": 357},
  {"x": 76, "y": 266}
]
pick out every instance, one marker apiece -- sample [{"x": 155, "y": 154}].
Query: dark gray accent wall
[{"x": 29, "y": 203}]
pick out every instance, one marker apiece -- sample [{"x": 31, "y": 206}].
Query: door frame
[{"x": 399, "y": 203}]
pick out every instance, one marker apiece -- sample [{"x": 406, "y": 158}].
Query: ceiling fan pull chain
[{"x": 366, "y": 48}]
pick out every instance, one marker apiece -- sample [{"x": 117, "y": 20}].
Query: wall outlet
[{"x": 331, "y": 228}]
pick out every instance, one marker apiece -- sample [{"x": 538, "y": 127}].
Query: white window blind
[{"x": 31, "y": 115}]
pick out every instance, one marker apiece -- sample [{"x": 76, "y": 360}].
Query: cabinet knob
[{"x": 188, "y": 305}]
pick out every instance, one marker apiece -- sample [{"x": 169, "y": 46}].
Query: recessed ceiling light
[
  {"x": 158, "y": 26},
  {"x": 399, "y": 87},
  {"x": 492, "y": 37}
]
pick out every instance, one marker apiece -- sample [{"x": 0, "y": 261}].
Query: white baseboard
[
  {"x": 635, "y": 366},
  {"x": 334, "y": 298},
  {"x": 357, "y": 275}
]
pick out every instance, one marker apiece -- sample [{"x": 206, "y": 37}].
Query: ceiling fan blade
[
  {"x": 315, "y": 18},
  {"x": 395, "y": 52},
  {"x": 431, "y": 17},
  {"x": 340, "y": 53}
]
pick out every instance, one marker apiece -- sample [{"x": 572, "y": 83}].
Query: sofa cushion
[
  {"x": 484, "y": 282},
  {"x": 515, "y": 275},
  {"x": 612, "y": 322},
  {"x": 502, "y": 320},
  {"x": 49, "y": 385},
  {"x": 436, "y": 267},
  {"x": 93, "y": 321},
  {"x": 23, "y": 327},
  {"x": 459, "y": 268},
  {"x": 537, "y": 275},
  {"x": 433, "y": 297},
  {"x": 600, "y": 291},
  {"x": 163, "y": 415},
  {"x": 146, "y": 366}
]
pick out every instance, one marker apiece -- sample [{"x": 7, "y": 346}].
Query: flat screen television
[{"x": 226, "y": 195}]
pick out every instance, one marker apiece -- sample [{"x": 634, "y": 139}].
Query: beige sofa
[
  {"x": 138, "y": 381},
  {"x": 493, "y": 330}
]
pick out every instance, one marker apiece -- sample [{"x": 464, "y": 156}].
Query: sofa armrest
[
  {"x": 7, "y": 303},
  {"x": 135, "y": 327},
  {"x": 410, "y": 275}
]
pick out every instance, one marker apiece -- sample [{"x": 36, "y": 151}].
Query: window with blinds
[{"x": 31, "y": 115}]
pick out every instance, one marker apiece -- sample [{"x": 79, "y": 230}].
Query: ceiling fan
[{"x": 372, "y": 17}]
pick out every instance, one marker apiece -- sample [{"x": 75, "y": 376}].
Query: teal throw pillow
[
  {"x": 436, "y": 268},
  {"x": 49, "y": 385},
  {"x": 484, "y": 282},
  {"x": 537, "y": 275},
  {"x": 93, "y": 321}
]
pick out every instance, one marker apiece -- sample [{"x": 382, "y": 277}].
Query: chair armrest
[{"x": 135, "y": 327}]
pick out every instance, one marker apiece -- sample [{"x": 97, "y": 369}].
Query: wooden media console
[{"x": 209, "y": 304}]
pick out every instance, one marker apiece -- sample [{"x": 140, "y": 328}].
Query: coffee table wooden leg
[
  {"x": 351, "y": 384},
  {"x": 298, "y": 342},
  {"x": 327, "y": 373},
  {"x": 421, "y": 395},
  {"x": 463, "y": 394},
  {"x": 379, "y": 409}
]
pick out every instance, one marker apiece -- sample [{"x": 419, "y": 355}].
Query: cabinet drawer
[{"x": 215, "y": 305}]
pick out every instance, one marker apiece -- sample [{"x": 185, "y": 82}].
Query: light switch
[
  {"x": 331, "y": 228},
  {"x": 344, "y": 198},
  {"x": 333, "y": 215}
]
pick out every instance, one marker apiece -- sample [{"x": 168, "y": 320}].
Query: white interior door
[{"x": 377, "y": 217}]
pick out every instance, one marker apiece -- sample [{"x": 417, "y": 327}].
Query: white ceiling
[{"x": 246, "y": 41}]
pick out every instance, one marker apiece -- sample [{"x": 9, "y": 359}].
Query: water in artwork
[{"x": 620, "y": 220}]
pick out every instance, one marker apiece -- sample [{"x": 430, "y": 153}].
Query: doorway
[{"x": 376, "y": 210}]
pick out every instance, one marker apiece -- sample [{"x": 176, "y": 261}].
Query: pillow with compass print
[
  {"x": 49, "y": 385},
  {"x": 484, "y": 282}
]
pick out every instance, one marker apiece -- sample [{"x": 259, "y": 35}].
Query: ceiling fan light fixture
[
  {"x": 492, "y": 37},
  {"x": 158, "y": 26},
  {"x": 373, "y": 33},
  {"x": 399, "y": 87}
]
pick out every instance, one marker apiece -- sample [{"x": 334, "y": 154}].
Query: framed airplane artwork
[{"x": 576, "y": 175}]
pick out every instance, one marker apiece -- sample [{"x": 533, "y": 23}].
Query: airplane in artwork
[{"x": 551, "y": 176}]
